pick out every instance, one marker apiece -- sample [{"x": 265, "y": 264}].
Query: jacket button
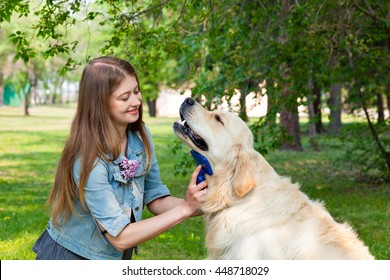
[{"x": 136, "y": 208}]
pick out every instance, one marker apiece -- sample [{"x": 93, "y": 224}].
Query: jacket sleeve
[{"x": 101, "y": 200}]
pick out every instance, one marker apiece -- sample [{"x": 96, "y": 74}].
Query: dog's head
[
  {"x": 211, "y": 133},
  {"x": 225, "y": 140}
]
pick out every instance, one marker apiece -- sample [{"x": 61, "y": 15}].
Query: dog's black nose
[{"x": 189, "y": 101}]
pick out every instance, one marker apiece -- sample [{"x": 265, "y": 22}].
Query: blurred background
[{"x": 310, "y": 78}]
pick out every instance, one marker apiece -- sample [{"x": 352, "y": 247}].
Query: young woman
[{"x": 108, "y": 172}]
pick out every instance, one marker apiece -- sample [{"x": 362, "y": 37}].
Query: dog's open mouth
[{"x": 186, "y": 130}]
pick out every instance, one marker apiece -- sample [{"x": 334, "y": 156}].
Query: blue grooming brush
[{"x": 206, "y": 168}]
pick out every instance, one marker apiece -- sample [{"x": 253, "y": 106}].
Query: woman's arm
[
  {"x": 170, "y": 210},
  {"x": 163, "y": 204}
]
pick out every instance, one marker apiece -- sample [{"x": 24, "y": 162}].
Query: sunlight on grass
[
  {"x": 42, "y": 118},
  {"x": 18, "y": 248}
]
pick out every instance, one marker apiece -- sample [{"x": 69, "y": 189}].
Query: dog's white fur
[{"x": 253, "y": 213}]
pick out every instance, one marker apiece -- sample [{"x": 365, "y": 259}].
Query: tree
[{"x": 298, "y": 49}]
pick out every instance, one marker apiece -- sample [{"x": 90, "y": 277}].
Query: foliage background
[{"x": 330, "y": 56}]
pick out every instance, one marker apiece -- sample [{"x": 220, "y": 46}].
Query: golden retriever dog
[{"x": 250, "y": 211}]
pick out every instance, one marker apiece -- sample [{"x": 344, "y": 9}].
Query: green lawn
[{"x": 30, "y": 148}]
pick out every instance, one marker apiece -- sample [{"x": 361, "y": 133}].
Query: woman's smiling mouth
[{"x": 133, "y": 111}]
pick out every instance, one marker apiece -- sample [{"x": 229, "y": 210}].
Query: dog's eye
[{"x": 218, "y": 118}]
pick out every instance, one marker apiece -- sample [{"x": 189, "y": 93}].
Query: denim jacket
[{"x": 110, "y": 200}]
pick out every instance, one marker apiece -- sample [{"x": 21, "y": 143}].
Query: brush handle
[
  {"x": 206, "y": 168},
  {"x": 201, "y": 176}
]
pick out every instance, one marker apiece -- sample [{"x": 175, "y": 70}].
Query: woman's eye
[{"x": 218, "y": 118}]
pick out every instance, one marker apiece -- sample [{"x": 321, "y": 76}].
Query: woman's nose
[{"x": 135, "y": 100}]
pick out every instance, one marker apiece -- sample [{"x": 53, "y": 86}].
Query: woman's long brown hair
[{"x": 92, "y": 134}]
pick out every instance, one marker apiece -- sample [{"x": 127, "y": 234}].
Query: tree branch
[
  {"x": 385, "y": 154},
  {"x": 181, "y": 13},
  {"x": 147, "y": 10},
  {"x": 370, "y": 12}
]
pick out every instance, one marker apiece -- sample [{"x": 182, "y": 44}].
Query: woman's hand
[
  {"x": 170, "y": 211},
  {"x": 195, "y": 195}
]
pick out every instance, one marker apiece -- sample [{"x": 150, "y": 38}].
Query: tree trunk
[
  {"x": 27, "y": 100},
  {"x": 381, "y": 109},
  {"x": 54, "y": 98},
  {"x": 387, "y": 93},
  {"x": 152, "y": 107},
  {"x": 317, "y": 109},
  {"x": 334, "y": 103},
  {"x": 289, "y": 120},
  {"x": 272, "y": 108},
  {"x": 242, "y": 113},
  {"x": 312, "y": 115}
]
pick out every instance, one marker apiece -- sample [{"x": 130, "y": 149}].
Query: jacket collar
[{"x": 135, "y": 146}]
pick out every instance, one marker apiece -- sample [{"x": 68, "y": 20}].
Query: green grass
[{"x": 30, "y": 148}]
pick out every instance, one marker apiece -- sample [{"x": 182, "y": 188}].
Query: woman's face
[{"x": 124, "y": 103}]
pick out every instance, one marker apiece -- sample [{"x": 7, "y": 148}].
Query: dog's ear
[{"x": 242, "y": 168}]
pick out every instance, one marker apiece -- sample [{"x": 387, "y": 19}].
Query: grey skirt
[{"x": 47, "y": 249}]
